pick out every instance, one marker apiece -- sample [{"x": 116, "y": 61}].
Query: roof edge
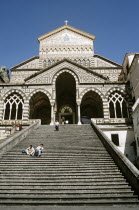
[
  {"x": 24, "y": 62},
  {"x": 108, "y": 60}
]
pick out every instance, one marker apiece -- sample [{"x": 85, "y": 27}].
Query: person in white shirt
[
  {"x": 39, "y": 149},
  {"x": 30, "y": 150},
  {"x": 57, "y": 125}
]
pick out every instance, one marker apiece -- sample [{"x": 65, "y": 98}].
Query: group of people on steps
[{"x": 35, "y": 152}]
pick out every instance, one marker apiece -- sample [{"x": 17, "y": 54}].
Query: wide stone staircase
[{"x": 75, "y": 169}]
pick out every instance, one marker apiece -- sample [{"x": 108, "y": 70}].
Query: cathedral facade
[{"x": 67, "y": 80}]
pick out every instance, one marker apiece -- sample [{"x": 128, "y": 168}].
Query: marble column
[
  {"x": 52, "y": 113},
  {"x": 79, "y": 112},
  {"x": 106, "y": 110},
  {"x": 25, "y": 115},
  {"x": 2, "y": 110}
]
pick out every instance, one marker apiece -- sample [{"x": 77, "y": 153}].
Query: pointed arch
[
  {"x": 13, "y": 106},
  {"x": 20, "y": 92},
  {"x": 118, "y": 106}
]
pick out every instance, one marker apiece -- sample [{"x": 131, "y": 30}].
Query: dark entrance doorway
[
  {"x": 66, "y": 97},
  {"x": 66, "y": 113},
  {"x": 40, "y": 108}
]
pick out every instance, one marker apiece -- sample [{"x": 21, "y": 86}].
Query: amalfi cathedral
[
  {"x": 69, "y": 126},
  {"x": 67, "y": 80}
]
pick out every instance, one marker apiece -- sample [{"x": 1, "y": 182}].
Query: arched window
[
  {"x": 13, "y": 107},
  {"x": 117, "y": 106}
]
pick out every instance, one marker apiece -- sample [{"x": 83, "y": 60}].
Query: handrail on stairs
[{"x": 130, "y": 172}]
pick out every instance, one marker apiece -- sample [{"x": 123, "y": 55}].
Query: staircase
[{"x": 75, "y": 169}]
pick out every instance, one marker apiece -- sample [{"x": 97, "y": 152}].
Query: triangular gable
[
  {"x": 92, "y": 37},
  {"x": 83, "y": 74}
]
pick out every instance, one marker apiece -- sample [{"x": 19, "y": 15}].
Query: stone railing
[
  {"x": 15, "y": 122},
  {"x": 111, "y": 120},
  {"x": 12, "y": 141},
  {"x": 130, "y": 172}
]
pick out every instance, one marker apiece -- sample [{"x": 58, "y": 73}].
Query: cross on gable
[{"x": 66, "y": 22}]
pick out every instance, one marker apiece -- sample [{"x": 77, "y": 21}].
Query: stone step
[
  {"x": 65, "y": 187},
  {"x": 57, "y": 169},
  {"x": 70, "y": 158},
  {"x": 66, "y": 196},
  {"x": 74, "y": 169},
  {"x": 104, "y": 183},
  {"x": 60, "y": 175},
  {"x": 26, "y": 181},
  {"x": 64, "y": 160},
  {"x": 64, "y": 154},
  {"x": 55, "y": 162},
  {"x": 98, "y": 153},
  {"x": 56, "y": 165},
  {"x": 67, "y": 191},
  {"x": 79, "y": 202},
  {"x": 57, "y": 177}
]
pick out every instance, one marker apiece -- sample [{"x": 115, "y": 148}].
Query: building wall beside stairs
[{"x": 126, "y": 141}]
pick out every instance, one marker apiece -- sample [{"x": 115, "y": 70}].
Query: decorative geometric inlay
[{"x": 80, "y": 75}]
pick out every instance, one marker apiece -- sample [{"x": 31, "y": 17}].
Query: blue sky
[{"x": 115, "y": 23}]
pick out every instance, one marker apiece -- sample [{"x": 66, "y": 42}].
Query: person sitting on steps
[
  {"x": 38, "y": 150},
  {"x": 30, "y": 150}
]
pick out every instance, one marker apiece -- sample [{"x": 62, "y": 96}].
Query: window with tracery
[
  {"x": 13, "y": 107},
  {"x": 117, "y": 106}
]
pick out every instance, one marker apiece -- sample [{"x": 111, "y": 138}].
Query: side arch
[
  {"x": 91, "y": 89},
  {"x": 39, "y": 106},
  {"x": 91, "y": 103},
  {"x": 47, "y": 93}
]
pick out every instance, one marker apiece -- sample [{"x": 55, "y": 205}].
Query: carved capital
[
  {"x": 78, "y": 102},
  {"x": 52, "y": 102}
]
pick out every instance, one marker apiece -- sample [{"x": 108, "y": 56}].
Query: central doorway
[
  {"x": 66, "y": 114},
  {"x": 66, "y": 98}
]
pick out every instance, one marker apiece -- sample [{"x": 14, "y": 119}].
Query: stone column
[
  {"x": 106, "y": 110},
  {"x": 2, "y": 111},
  {"x": 25, "y": 115},
  {"x": 79, "y": 112},
  {"x": 52, "y": 112}
]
